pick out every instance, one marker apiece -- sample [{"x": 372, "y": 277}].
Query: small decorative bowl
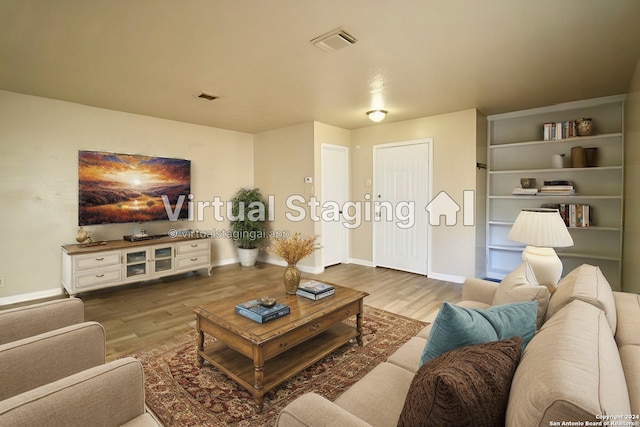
[{"x": 267, "y": 301}]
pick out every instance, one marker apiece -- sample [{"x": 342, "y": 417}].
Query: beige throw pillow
[
  {"x": 585, "y": 283},
  {"x": 516, "y": 288}
]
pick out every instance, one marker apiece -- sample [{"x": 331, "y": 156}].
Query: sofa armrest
[
  {"x": 312, "y": 409},
  {"x": 479, "y": 290},
  {"x": 31, "y": 362},
  {"x": 106, "y": 395},
  {"x": 34, "y": 319}
]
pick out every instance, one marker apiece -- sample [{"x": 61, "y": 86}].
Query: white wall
[
  {"x": 631, "y": 250},
  {"x": 39, "y": 143}
]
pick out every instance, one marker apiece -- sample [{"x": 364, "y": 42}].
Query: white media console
[{"x": 118, "y": 262}]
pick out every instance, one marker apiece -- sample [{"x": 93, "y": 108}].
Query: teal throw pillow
[{"x": 456, "y": 327}]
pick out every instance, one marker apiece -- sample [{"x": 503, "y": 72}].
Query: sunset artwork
[{"x": 120, "y": 188}]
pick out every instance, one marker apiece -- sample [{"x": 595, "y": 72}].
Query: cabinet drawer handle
[
  {"x": 194, "y": 245},
  {"x": 347, "y": 313},
  {"x": 194, "y": 259},
  {"x": 315, "y": 327},
  {"x": 283, "y": 344},
  {"x": 99, "y": 275},
  {"x": 100, "y": 259}
]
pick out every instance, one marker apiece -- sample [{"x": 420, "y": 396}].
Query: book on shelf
[
  {"x": 573, "y": 214},
  {"x": 557, "y": 192},
  {"x": 557, "y": 188},
  {"x": 555, "y": 131},
  {"x": 315, "y": 290},
  {"x": 257, "y": 312},
  {"x": 525, "y": 191}
]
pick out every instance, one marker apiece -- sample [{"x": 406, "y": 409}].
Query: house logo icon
[{"x": 444, "y": 205}]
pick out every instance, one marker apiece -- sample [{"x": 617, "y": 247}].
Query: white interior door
[
  {"x": 401, "y": 192},
  {"x": 335, "y": 191}
]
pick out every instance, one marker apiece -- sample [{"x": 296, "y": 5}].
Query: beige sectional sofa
[{"x": 583, "y": 364}]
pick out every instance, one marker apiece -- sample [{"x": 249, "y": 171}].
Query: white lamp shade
[{"x": 541, "y": 227}]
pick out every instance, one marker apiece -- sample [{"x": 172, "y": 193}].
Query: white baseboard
[
  {"x": 446, "y": 277},
  {"x": 363, "y": 262},
  {"x": 227, "y": 261},
  {"x": 31, "y": 296}
]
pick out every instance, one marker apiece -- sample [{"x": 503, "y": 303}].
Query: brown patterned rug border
[{"x": 180, "y": 393}]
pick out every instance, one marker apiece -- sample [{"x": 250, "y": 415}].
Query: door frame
[
  {"x": 345, "y": 231},
  {"x": 429, "y": 144}
]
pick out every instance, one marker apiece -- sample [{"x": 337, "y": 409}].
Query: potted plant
[{"x": 248, "y": 215}]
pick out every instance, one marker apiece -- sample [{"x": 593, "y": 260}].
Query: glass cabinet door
[
  {"x": 163, "y": 257},
  {"x": 136, "y": 263}
]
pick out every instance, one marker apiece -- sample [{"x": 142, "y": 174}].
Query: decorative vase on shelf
[
  {"x": 291, "y": 279},
  {"x": 585, "y": 127},
  {"x": 83, "y": 236}
]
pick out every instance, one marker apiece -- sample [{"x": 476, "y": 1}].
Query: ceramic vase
[
  {"x": 291, "y": 279},
  {"x": 585, "y": 127}
]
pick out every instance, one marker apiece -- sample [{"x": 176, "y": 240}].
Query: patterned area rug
[{"x": 183, "y": 394}]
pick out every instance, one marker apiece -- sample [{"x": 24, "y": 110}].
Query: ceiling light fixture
[{"x": 377, "y": 115}]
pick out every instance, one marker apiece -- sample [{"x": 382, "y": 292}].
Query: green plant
[{"x": 248, "y": 215}]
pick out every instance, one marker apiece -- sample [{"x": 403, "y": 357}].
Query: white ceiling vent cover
[{"x": 334, "y": 40}]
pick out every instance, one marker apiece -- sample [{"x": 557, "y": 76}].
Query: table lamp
[{"x": 541, "y": 230}]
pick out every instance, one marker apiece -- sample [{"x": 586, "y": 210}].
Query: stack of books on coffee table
[
  {"x": 257, "y": 312},
  {"x": 315, "y": 290}
]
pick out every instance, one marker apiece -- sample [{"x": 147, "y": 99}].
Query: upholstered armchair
[
  {"x": 42, "y": 343},
  {"x": 106, "y": 395},
  {"x": 34, "y": 319},
  {"x": 53, "y": 371}
]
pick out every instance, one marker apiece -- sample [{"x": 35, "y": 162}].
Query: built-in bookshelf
[{"x": 518, "y": 149}]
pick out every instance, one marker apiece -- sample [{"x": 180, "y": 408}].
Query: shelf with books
[{"x": 517, "y": 150}]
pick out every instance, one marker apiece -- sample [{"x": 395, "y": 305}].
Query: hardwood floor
[{"x": 148, "y": 314}]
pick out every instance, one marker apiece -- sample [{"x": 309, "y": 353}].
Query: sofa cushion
[
  {"x": 585, "y": 283},
  {"x": 408, "y": 355},
  {"x": 468, "y": 386},
  {"x": 379, "y": 396},
  {"x": 570, "y": 371},
  {"x": 516, "y": 288},
  {"x": 628, "y": 314},
  {"x": 630, "y": 358},
  {"x": 459, "y": 326}
]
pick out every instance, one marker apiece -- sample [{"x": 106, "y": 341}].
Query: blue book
[{"x": 255, "y": 311}]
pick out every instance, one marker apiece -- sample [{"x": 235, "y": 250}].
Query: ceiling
[{"x": 416, "y": 58}]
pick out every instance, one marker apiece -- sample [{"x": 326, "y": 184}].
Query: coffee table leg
[
  {"x": 258, "y": 379},
  {"x": 200, "y": 344},
  {"x": 359, "y": 324}
]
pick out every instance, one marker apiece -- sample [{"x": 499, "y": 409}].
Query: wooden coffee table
[{"x": 262, "y": 356}]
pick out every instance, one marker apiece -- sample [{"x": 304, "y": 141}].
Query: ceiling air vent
[
  {"x": 207, "y": 96},
  {"x": 334, "y": 40}
]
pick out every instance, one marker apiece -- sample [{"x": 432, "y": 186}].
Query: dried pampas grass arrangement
[{"x": 293, "y": 249}]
